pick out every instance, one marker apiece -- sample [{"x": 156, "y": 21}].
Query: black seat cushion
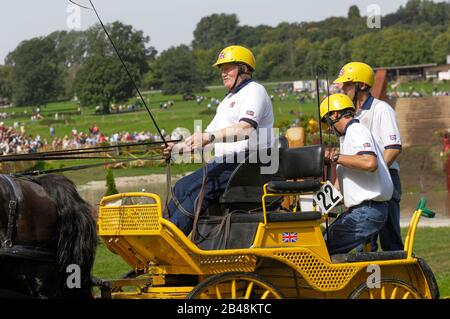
[
  {"x": 368, "y": 256},
  {"x": 279, "y": 187},
  {"x": 302, "y": 162},
  {"x": 245, "y": 186}
]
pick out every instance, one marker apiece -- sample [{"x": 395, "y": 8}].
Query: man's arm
[
  {"x": 390, "y": 155},
  {"x": 236, "y": 132},
  {"x": 365, "y": 162}
]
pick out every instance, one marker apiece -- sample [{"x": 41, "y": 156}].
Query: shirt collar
[
  {"x": 348, "y": 124},
  {"x": 368, "y": 103},
  {"x": 240, "y": 86}
]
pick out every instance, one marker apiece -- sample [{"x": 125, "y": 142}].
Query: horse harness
[{"x": 7, "y": 246}]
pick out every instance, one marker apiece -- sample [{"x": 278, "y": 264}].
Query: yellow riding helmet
[
  {"x": 236, "y": 53},
  {"x": 335, "y": 102},
  {"x": 356, "y": 72}
]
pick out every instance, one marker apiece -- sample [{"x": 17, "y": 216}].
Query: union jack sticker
[
  {"x": 221, "y": 55},
  {"x": 289, "y": 237}
]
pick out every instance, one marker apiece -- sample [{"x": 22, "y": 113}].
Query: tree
[
  {"x": 353, "y": 12},
  {"x": 131, "y": 44},
  {"x": 441, "y": 47},
  {"x": 277, "y": 61},
  {"x": 216, "y": 30},
  {"x": 103, "y": 80},
  {"x": 71, "y": 51},
  {"x": 392, "y": 46},
  {"x": 111, "y": 188},
  {"x": 5, "y": 83},
  {"x": 418, "y": 12},
  {"x": 35, "y": 76},
  {"x": 252, "y": 36},
  {"x": 204, "y": 59},
  {"x": 178, "y": 71}
]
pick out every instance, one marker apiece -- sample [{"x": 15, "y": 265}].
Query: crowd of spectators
[
  {"x": 95, "y": 137},
  {"x": 16, "y": 141},
  {"x": 413, "y": 92}
]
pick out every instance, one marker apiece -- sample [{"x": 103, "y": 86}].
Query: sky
[{"x": 168, "y": 22}]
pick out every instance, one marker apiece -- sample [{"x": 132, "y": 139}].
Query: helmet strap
[
  {"x": 241, "y": 70},
  {"x": 341, "y": 114},
  {"x": 358, "y": 90}
]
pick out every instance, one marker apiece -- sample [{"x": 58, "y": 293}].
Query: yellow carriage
[{"x": 265, "y": 253}]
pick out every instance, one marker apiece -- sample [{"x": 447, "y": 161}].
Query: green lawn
[
  {"x": 432, "y": 244},
  {"x": 424, "y": 87},
  {"x": 182, "y": 114}
]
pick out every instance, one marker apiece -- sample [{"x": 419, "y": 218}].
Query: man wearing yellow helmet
[
  {"x": 245, "y": 110},
  {"x": 362, "y": 177},
  {"x": 355, "y": 80}
]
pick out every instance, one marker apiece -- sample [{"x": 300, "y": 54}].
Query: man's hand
[
  {"x": 329, "y": 153},
  {"x": 197, "y": 140},
  {"x": 167, "y": 150}
]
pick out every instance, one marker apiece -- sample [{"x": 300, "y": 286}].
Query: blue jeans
[
  {"x": 187, "y": 189},
  {"x": 390, "y": 235},
  {"x": 356, "y": 226}
]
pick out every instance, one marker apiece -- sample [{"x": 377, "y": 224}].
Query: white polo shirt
[
  {"x": 248, "y": 102},
  {"x": 359, "y": 185},
  {"x": 379, "y": 117}
]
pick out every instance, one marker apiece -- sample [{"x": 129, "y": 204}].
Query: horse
[{"x": 48, "y": 238}]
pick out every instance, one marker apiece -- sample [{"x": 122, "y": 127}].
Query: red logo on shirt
[
  {"x": 232, "y": 104},
  {"x": 251, "y": 113},
  {"x": 366, "y": 145},
  {"x": 393, "y": 137}
]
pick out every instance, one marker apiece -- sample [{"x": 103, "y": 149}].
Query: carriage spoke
[
  {"x": 371, "y": 296},
  {"x": 233, "y": 289},
  {"x": 406, "y": 295},
  {"x": 394, "y": 292},
  {"x": 383, "y": 292},
  {"x": 218, "y": 293},
  {"x": 265, "y": 294},
  {"x": 249, "y": 290}
]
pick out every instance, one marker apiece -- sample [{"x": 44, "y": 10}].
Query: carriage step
[{"x": 370, "y": 256}]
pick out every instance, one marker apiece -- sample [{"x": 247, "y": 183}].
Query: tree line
[{"x": 83, "y": 63}]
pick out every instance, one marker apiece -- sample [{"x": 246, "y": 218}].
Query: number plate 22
[{"x": 327, "y": 197}]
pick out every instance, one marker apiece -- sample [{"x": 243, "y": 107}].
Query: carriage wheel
[
  {"x": 389, "y": 288},
  {"x": 235, "y": 285}
]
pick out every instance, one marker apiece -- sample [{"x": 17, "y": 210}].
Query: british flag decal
[{"x": 289, "y": 237}]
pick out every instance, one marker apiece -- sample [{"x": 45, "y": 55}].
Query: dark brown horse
[{"x": 47, "y": 238}]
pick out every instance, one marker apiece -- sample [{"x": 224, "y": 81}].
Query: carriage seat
[
  {"x": 237, "y": 230},
  {"x": 368, "y": 256},
  {"x": 304, "y": 163},
  {"x": 245, "y": 188}
]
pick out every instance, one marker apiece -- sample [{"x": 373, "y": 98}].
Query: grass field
[
  {"x": 424, "y": 87},
  {"x": 182, "y": 114},
  {"x": 431, "y": 244}
]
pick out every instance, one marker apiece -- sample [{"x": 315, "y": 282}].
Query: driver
[{"x": 245, "y": 108}]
